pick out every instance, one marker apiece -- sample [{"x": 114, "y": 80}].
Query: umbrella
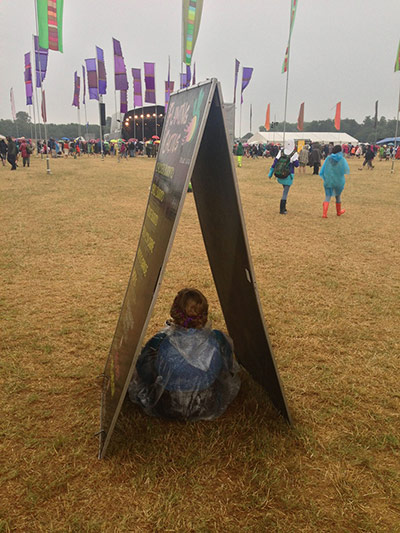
[
  {"x": 64, "y": 139},
  {"x": 80, "y": 138},
  {"x": 2, "y": 137},
  {"x": 156, "y": 137}
]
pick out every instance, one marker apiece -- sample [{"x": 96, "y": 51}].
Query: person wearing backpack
[{"x": 283, "y": 169}]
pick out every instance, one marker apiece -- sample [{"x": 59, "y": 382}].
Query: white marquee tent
[{"x": 313, "y": 136}]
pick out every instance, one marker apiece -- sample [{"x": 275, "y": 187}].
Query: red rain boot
[
  {"x": 339, "y": 210},
  {"x": 325, "y": 206}
]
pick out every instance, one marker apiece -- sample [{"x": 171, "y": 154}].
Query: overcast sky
[{"x": 342, "y": 50}]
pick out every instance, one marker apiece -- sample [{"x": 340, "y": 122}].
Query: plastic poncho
[
  {"x": 187, "y": 374},
  {"x": 333, "y": 171}
]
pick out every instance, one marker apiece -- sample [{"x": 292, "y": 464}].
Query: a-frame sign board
[{"x": 194, "y": 147}]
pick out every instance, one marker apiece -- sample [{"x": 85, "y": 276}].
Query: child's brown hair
[{"x": 190, "y": 309}]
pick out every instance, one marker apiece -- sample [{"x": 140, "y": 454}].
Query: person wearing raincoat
[
  {"x": 333, "y": 173},
  {"x": 186, "y": 371},
  {"x": 290, "y": 152}
]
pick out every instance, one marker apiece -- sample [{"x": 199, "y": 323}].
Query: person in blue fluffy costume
[
  {"x": 186, "y": 371},
  {"x": 333, "y": 173}
]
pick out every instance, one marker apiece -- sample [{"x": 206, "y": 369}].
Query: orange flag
[
  {"x": 267, "y": 122},
  {"x": 300, "y": 120},
  {"x": 337, "y": 116}
]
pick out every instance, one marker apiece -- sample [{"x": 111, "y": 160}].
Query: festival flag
[
  {"x": 92, "y": 78},
  {"x": 50, "y": 24},
  {"x": 120, "y": 78},
  {"x": 246, "y": 77},
  {"x": 44, "y": 113},
  {"x": 397, "y": 62},
  {"x": 169, "y": 88},
  {"x": 293, "y": 9},
  {"x": 188, "y": 75},
  {"x": 182, "y": 83},
  {"x": 149, "y": 81},
  {"x": 376, "y": 114},
  {"x": 194, "y": 74},
  {"x": 41, "y": 56},
  {"x": 101, "y": 71},
  {"x": 12, "y": 102},
  {"x": 237, "y": 66},
  {"x": 300, "y": 119},
  {"x": 124, "y": 101},
  {"x": 337, "y": 115},
  {"x": 267, "y": 118},
  {"x": 77, "y": 88},
  {"x": 28, "y": 79},
  {"x": 84, "y": 85},
  {"x": 137, "y": 88},
  {"x": 191, "y": 16}
]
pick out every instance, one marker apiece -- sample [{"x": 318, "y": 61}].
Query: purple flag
[
  {"x": 237, "y": 66},
  {"x": 149, "y": 81},
  {"x": 101, "y": 71},
  {"x": 41, "y": 55},
  {"x": 92, "y": 78},
  {"x": 121, "y": 80},
  {"x": 169, "y": 88},
  {"x": 194, "y": 74},
  {"x": 77, "y": 88},
  {"x": 124, "y": 101},
  {"x": 182, "y": 84},
  {"x": 246, "y": 77},
  {"x": 137, "y": 88},
  {"x": 188, "y": 75},
  {"x": 84, "y": 85},
  {"x": 28, "y": 79}
]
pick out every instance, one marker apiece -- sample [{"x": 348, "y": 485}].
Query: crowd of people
[{"x": 12, "y": 149}]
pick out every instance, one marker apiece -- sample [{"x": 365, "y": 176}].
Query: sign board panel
[
  {"x": 194, "y": 145},
  {"x": 183, "y": 129}
]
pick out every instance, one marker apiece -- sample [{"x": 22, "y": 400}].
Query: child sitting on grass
[{"x": 187, "y": 370}]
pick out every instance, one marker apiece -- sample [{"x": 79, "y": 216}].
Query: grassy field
[{"x": 330, "y": 291}]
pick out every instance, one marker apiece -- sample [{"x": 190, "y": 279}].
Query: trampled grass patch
[{"x": 330, "y": 295}]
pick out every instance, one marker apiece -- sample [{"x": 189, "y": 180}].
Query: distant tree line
[
  {"x": 364, "y": 132},
  {"x": 23, "y": 127}
]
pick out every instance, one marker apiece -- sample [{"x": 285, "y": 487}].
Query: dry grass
[{"x": 330, "y": 294}]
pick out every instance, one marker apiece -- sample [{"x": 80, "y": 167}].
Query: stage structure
[
  {"x": 141, "y": 122},
  {"x": 194, "y": 147}
]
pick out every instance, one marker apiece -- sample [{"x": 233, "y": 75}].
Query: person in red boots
[{"x": 333, "y": 173}]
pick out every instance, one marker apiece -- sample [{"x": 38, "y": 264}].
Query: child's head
[
  {"x": 190, "y": 309},
  {"x": 336, "y": 149}
]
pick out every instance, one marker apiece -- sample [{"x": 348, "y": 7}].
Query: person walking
[
  {"x": 25, "y": 152},
  {"x": 303, "y": 159},
  {"x": 283, "y": 169},
  {"x": 314, "y": 159},
  {"x": 12, "y": 152},
  {"x": 369, "y": 156},
  {"x": 3, "y": 151},
  {"x": 333, "y": 173},
  {"x": 239, "y": 153}
]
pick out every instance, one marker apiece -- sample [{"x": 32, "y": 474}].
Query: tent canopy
[
  {"x": 388, "y": 140},
  {"x": 313, "y": 136}
]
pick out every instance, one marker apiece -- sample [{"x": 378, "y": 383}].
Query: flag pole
[
  {"x": 286, "y": 95},
  {"x": 395, "y": 135},
  {"x": 240, "y": 120},
  {"x": 41, "y": 88}
]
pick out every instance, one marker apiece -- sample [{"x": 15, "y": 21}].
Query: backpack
[{"x": 282, "y": 167}]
